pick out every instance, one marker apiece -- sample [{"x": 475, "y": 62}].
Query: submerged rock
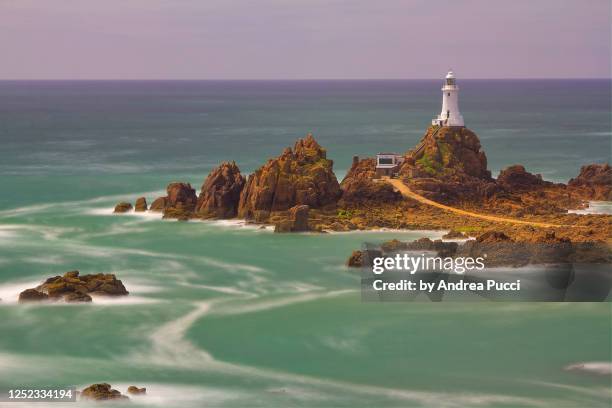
[
  {"x": 134, "y": 390},
  {"x": 355, "y": 260},
  {"x": 141, "y": 204},
  {"x": 102, "y": 392},
  {"x": 220, "y": 193},
  {"x": 123, "y": 207}
]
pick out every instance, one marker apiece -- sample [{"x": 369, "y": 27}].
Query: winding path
[{"x": 407, "y": 192}]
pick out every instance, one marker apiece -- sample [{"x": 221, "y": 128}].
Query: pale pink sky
[{"x": 303, "y": 39}]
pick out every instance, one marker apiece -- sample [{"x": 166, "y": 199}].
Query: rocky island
[
  {"x": 446, "y": 174},
  {"x": 73, "y": 287}
]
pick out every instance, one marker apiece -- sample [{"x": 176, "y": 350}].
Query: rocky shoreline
[{"x": 298, "y": 191}]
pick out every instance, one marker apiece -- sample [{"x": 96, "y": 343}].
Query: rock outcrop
[
  {"x": 296, "y": 221},
  {"x": 102, "y": 392},
  {"x": 32, "y": 295},
  {"x": 358, "y": 186},
  {"x": 123, "y": 207},
  {"x": 516, "y": 178},
  {"x": 134, "y": 390},
  {"x": 141, "y": 204},
  {"x": 449, "y": 165},
  {"x": 179, "y": 203},
  {"x": 299, "y": 176},
  {"x": 73, "y": 287},
  {"x": 220, "y": 193},
  {"x": 594, "y": 182}
]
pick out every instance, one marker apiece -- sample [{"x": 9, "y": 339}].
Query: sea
[{"x": 224, "y": 314}]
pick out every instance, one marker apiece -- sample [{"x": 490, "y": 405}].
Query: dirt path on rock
[{"x": 407, "y": 192}]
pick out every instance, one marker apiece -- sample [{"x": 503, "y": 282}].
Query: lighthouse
[{"x": 450, "y": 115}]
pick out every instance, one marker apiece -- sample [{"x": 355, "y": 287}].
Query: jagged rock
[
  {"x": 355, "y": 260},
  {"x": 32, "y": 295},
  {"x": 141, "y": 204},
  {"x": 449, "y": 165},
  {"x": 74, "y": 288},
  {"x": 159, "y": 204},
  {"x": 181, "y": 195},
  {"x": 297, "y": 220},
  {"x": 102, "y": 392},
  {"x": 448, "y": 151},
  {"x": 300, "y": 176},
  {"x": 358, "y": 186},
  {"x": 220, "y": 193},
  {"x": 594, "y": 182},
  {"x": 515, "y": 178},
  {"x": 454, "y": 234},
  {"x": 180, "y": 201},
  {"x": 123, "y": 207},
  {"x": 134, "y": 390}
]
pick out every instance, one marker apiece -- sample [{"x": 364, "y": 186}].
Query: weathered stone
[
  {"x": 300, "y": 176},
  {"x": 355, "y": 260},
  {"x": 141, "y": 204},
  {"x": 297, "y": 220},
  {"x": 515, "y": 178},
  {"x": 32, "y": 295},
  {"x": 220, "y": 193},
  {"x": 101, "y": 392},
  {"x": 123, "y": 207},
  {"x": 594, "y": 182},
  {"x": 134, "y": 390},
  {"x": 159, "y": 204}
]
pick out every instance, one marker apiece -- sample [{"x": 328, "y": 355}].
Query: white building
[
  {"x": 450, "y": 115},
  {"x": 387, "y": 164}
]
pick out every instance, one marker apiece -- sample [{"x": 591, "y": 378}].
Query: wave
[
  {"x": 593, "y": 367},
  {"x": 78, "y": 204}
]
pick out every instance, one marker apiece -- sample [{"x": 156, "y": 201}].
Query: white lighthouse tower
[{"x": 450, "y": 115}]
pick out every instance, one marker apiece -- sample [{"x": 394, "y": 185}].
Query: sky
[{"x": 304, "y": 39}]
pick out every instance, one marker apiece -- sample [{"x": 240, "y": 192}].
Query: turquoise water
[{"x": 222, "y": 314}]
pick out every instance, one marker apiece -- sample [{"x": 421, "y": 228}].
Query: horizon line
[{"x": 300, "y": 79}]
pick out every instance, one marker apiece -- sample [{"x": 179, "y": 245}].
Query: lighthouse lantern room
[{"x": 450, "y": 115}]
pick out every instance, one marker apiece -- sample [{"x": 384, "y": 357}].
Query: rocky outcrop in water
[
  {"x": 102, "y": 392},
  {"x": 179, "y": 203},
  {"x": 299, "y": 176},
  {"x": 594, "y": 182},
  {"x": 123, "y": 207},
  {"x": 220, "y": 193},
  {"x": 296, "y": 221},
  {"x": 134, "y": 390},
  {"x": 141, "y": 204},
  {"x": 73, "y": 287}
]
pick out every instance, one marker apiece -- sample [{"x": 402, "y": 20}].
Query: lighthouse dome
[{"x": 450, "y": 74}]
